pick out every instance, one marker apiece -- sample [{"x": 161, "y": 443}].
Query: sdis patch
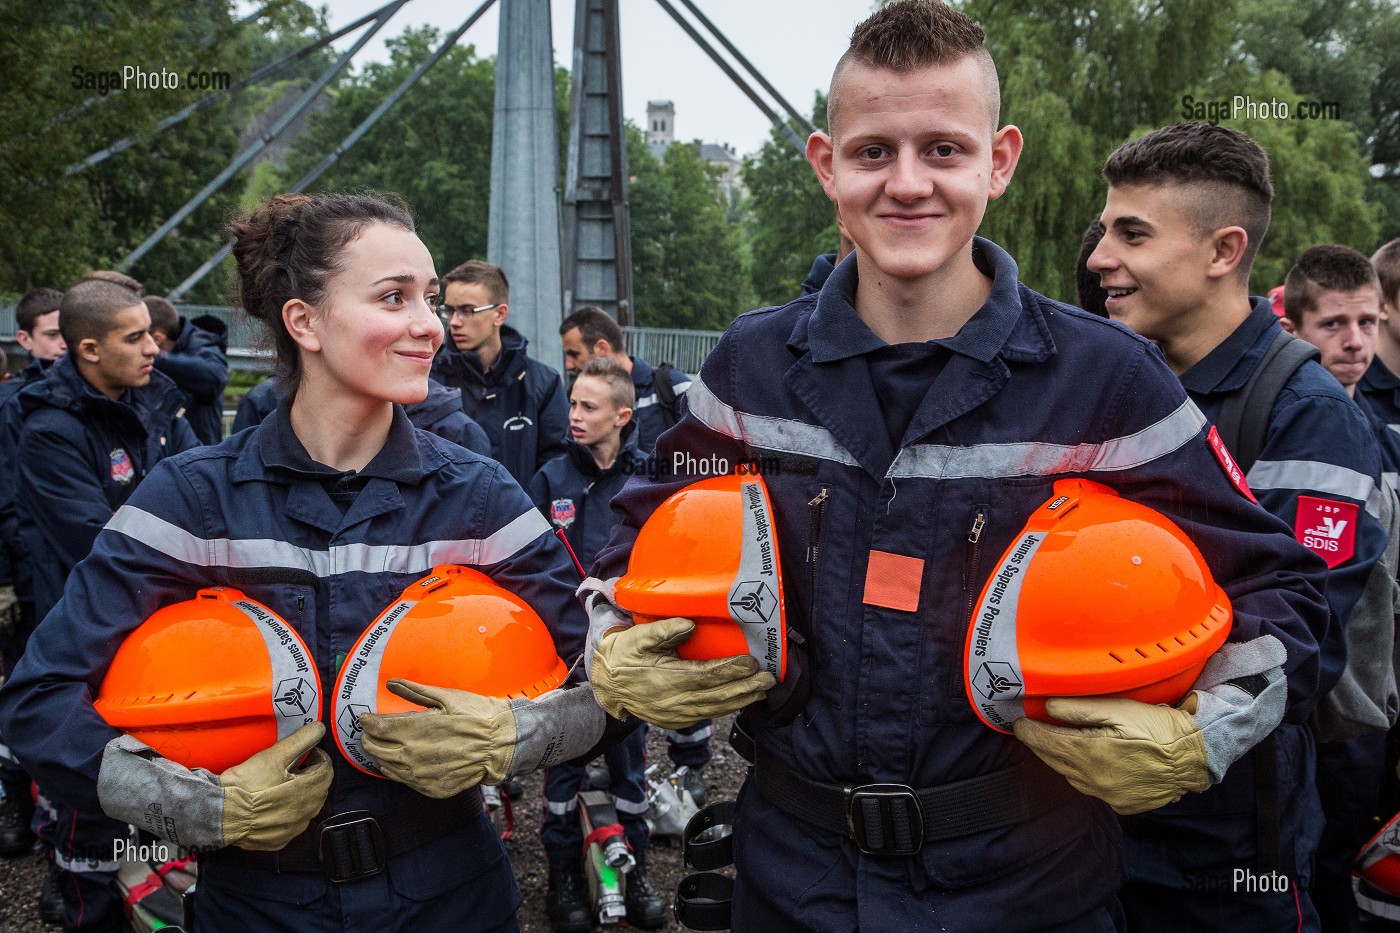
[{"x": 1327, "y": 528}]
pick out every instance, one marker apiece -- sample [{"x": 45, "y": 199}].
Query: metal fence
[{"x": 683, "y": 349}]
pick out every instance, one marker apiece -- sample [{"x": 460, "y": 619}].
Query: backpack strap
[
  {"x": 666, "y": 393},
  {"x": 1244, "y": 417}
]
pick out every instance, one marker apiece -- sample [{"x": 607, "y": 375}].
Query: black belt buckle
[
  {"x": 351, "y": 846},
  {"x": 885, "y": 819}
]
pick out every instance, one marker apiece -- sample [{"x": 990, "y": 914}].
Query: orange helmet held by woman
[
  {"x": 454, "y": 628},
  {"x": 211, "y": 681}
]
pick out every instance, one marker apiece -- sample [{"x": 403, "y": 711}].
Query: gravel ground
[{"x": 20, "y": 879}]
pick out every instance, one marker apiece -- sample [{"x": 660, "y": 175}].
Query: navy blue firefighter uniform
[
  {"x": 520, "y": 402},
  {"x": 198, "y": 362},
  {"x": 81, "y": 456},
  {"x": 327, "y": 551},
  {"x": 929, "y": 457},
  {"x": 1319, "y": 461}
]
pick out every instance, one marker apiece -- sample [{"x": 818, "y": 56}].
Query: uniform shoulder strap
[{"x": 1244, "y": 418}]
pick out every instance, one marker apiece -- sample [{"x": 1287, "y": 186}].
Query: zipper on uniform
[
  {"x": 816, "y": 509},
  {"x": 974, "y": 547},
  {"x": 301, "y": 604}
]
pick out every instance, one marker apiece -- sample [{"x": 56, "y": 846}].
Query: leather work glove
[
  {"x": 464, "y": 739},
  {"x": 1132, "y": 755},
  {"x": 268, "y": 800},
  {"x": 9, "y": 612},
  {"x": 636, "y": 671},
  {"x": 260, "y": 804}
]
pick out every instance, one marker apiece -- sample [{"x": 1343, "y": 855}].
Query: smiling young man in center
[{"x": 915, "y": 412}]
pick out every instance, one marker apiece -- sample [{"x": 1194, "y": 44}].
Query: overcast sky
[{"x": 793, "y": 43}]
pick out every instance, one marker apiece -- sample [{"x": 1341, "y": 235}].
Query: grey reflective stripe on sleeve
[
  {"x": 778, "y": 434},
  {"x": 1315, "y": 476},
  {"x": 645, "y": 401},
  {"x": 174, "y": 541},
  {"x": 979, "y": 461}
]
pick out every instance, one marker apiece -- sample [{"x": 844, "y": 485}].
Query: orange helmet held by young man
[
  {"x": 454, "y": 628},
  {"x": 1097, "y": 596},
  {"x": 1378, "y": 864},
  {"x": 211, "y": 681},
  {"x": 710, "y": 553}
]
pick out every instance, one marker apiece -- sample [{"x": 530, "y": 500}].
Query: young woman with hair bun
[{"x": 324, "y": 513}]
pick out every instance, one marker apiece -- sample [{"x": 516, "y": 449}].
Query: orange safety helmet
[
  {"x": 710, "y": 553},
  {"x": 1097, "y": 596},
  {"x": 211, "y": 681},
  {"x": 454, "y": 628},
  {"x": 1378, "y": 863}
]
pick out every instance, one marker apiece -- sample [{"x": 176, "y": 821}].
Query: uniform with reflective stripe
[
  {"x": 1317, "y": 443},
  {"x": 648, "y": 413},
  {"x": 327, "y": 552},
  {"x": 1030, "y": 391}
]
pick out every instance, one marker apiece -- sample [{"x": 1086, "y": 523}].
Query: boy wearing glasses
[{"x": 518, "y": 400}]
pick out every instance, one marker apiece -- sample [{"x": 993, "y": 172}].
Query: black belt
[
  {"x": 358, "y": 844},
  {"x": 895, "y": 819}
]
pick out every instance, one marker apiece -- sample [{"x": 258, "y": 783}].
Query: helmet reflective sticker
[{"x": 753, "y": 599}]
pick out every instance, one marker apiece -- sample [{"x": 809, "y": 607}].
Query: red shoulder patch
[
  {"x": 1327, "y": 528},
  {"x": 1228, "y": 464}
]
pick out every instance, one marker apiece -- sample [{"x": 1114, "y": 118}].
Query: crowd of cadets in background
[{"x": 574, "y": 453}]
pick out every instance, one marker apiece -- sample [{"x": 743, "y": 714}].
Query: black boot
[
  {"x": 16, "y": 813},
  {"x": 693, "y": 780},
  {"x": 566, "y": 903},
  {"x": 645, "y": 908},
  {"x": 51, "y": 899}
]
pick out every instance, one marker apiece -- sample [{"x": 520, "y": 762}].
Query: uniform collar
[
  {"x": 1378, "y": 376},
  {"x": 280, "y": 449},
  {"x": 1229, "y": 365},
  {"x": 837, "y": 332}
]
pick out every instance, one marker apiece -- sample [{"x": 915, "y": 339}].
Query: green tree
[
  {"x": 1079, "y": 79},
  {"x": 55, "y": 226},
  {"x": 688, "y": 267},
  {"x": 791, "y": 220}
]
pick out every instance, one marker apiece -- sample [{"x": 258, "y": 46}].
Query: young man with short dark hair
[
  {"x": 90, "y": 431},
  {"x": 1331, "y": 299},
  {"x": 193, "y": 353},
  {"x": 1187, "y": 208},
  {"x": 917, "y": 411},
  {"x": 518, "y": 400}
]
